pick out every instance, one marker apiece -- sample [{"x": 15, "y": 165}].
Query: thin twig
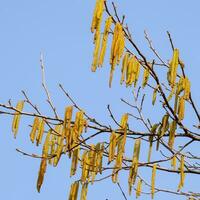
[
  {"x": 45, "y": 86},
  {"x": 121, "y": 190}
]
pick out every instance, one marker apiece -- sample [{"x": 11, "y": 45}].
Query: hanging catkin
[
  {"x": 95, "y": 27},
  {"x": 97, "y": 17},
  {"x": 172, "y": 130},
  {"x": 84, "y": 191},
  {"x": 134, "y": 168},
  {"x": 182, "y": 174},
  {"x": 145, "y": 77},
  {"x": 42, "y": 170},
  {"x": 96, "y": 51},
  {"x": 155, "y": 95},
  {"x": 124, "y": 66},
  {"x": 173, "y": 162},
  {"x": 104, "y": 41},
  {"x": 75, "y": 158},
  {"x": 132, "y": 71},
  {"x": 181, "y": 108},
  {"x": 112, "y": 146},
  {"x": 139, "y": 188},
  {"x": 40, "y": 132},
  {"x": 34, "y": 130},
  {"x": 153, "y": 132},
  {"x": 74, "y": 191},
  {"x": 153, "y": 177},
  {"x": 16, "y": 118},
  {"x": 117, "y": 49},
  {"x": 173, "y": 65}
]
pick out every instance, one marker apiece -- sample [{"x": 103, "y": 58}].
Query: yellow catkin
[
  {"x": 96, "y": 52},
  {"x": 165, "y": 124},
  {"x": 117, "y": 49},
  {"x": 182, "y": 174},
  {"x": 176, "y": 103},
  {"x": 55, "y": 140},
  {"x": 132, "y": 71},
  {"x": 69, "y": 139},
  {"x": 154, "y": 95},
  {"x": 34, "y": 130},
  {"x": 112, "y": 146},
  {"x": 95, "y": 160},
  {"x": 58, "y": 130},
  {"x": 184, "y": 85},
  {"x": 45, "y": 151},
  {"x": 115, "y": 175},
  {"x": 158, "y": 137},
  {"x": 42, "y": 170},
  {"x": 153, "y": 180},
  {"x": 91, "y": 158},
  {"x": 99, "y": 149},
  {"x": 119, "y": 159},
  {"x": 40, "y": 132},
  {"x": 187, "y": 89},
  {"x": 86, "y": 126},
  {"x": 137, "y": 71},
  {"x": 73, "y": 194},
  {"x": 139, "y": 188},
  {"x": 52, "y": 148},
  {"x": 72, "y": 134},
  {"x": 16, "y": 118},
  {"x": 104, "y": 40},
  {"x": 76, "y": 190},
  {"x": 100, "y": 159},
  {"x": 97, "y": 18},
  {"x": 180, "y": 85},
  {"x": 87, "y": 172},
  {"x": 124, "y": 66},
  {"x": 181, "y": 108},
  {"x": 134, "y": 168},
  {"x": 145, "y": 77},
  {"x": 120, "y": 153},
  {"x": 173, "y": 68},
  {"x": 153, "y": 132},
  {"x": 84, "y": 191},
  {"x": 150, "y": 148},
  {"x": 97, "y": 15},
  {"x": 117, "y": 30},
  {"x": 75, "y": 158},
  {"x": 68, "y": 116},
  {"x": 96, "y": 24},
  {"x": 173, "y": 91},
  {"x": 121, "y": 47},
  {"x": 124, "y": 121},
  {"x": 173, "y": 162},
  {"x": 58, "y": 141},
  {"x": 124, "y": 125},
  {"x": 129, "y": 72},
  {"x": 172, "y": 130},
  {"x": 79, "y": 123},
  {"x": 84, "y": 165},
  {"x": 67, "y": 127},
  {"x": 59, "y": 150}
]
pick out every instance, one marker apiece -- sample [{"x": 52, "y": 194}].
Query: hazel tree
[{"x": 167, "y": 140}]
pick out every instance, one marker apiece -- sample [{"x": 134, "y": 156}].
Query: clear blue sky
[{"x": 61, "y": 30}]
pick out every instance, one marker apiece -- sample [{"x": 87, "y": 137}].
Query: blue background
[{"x": 61, "y": 30}]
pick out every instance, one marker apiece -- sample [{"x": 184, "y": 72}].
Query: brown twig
[{"x": 45, "y": 86}]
